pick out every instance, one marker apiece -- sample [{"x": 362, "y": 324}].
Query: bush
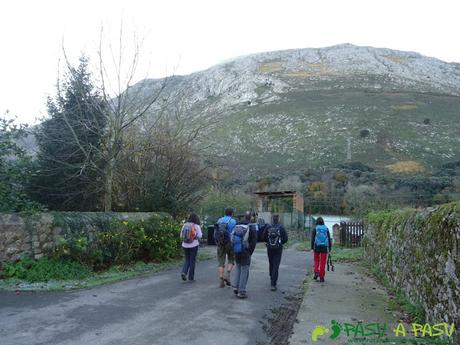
[
  {"x": 162, "y": 240},
  {"x": 154, "y": 239},
  {"x": 120, "y": 246},
  {"x": 45, "y": 269}
]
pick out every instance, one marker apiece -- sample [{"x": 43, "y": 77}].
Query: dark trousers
[
  {"x": 274, "y": 260},
  {"x": 189, "y": 264}
]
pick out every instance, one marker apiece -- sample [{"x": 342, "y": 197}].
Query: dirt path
[{"x": 157, "y": 310}]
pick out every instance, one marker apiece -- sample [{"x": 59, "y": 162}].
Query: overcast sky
[{"x": 183, "y": 36}]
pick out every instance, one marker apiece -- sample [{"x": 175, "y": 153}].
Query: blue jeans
[
  {"x": 241, "y": 276},
  {"x": 189, "y": 264}
]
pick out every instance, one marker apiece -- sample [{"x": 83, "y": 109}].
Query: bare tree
[
  {"x": 148, "y": 133},
  {"x": 125, "y": 104},
  {"x": 163, "y": 169}
]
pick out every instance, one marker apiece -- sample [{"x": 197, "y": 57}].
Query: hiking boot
[
  {"x": 184, "y": 277},
  {"x": 235, "y": 291},
  {"x": 242, "y": 295},
  {"x": 274, "y": 288},
  {"x": 321, "y": 280},
  {"x": 221, "y": 283}
]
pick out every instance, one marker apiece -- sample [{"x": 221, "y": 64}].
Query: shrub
[
  {"x": 120, "y": 246},
  {"x": 45, "y": 269},
  {"x": 162, "y": 238},
  {"x": 73, "y": 249},
  {"x": 154, "y": 239}
]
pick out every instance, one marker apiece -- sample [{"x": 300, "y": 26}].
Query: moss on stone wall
[{"x": 419, "y": 252}]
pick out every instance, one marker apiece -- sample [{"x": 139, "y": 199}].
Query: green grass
[
  {"x": 341, "y": 254},
  {"x": 72, "y": 281},
  {"x": 45, "y": 269},
  {"x": 306, "y": 137}
]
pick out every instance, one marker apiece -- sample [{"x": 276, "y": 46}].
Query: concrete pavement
[
  {"x": 156, "y": 310},
  {"x": 348, "y": 296}
]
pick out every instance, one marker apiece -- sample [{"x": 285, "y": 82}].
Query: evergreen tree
[
  {"x": 69, "y": 141},
  {"x": 15, "y": 170}
]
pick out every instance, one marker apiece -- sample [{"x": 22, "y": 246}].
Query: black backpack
[
  {"x": 274, "y": 237},
  {"x": 221, "y": 233}
]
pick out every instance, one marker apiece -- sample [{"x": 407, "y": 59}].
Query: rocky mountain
[{"x": 311, "y": 107}]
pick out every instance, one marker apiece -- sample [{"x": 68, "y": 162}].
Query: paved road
[{"x": 157, "y": 310}]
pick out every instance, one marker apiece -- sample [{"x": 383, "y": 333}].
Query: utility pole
[{"x": 349, "y": 149}]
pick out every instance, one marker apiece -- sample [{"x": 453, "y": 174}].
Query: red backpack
[{"x": 188, "y": 233}]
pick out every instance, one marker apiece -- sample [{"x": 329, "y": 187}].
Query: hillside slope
[{"x": 298, "y": 108}]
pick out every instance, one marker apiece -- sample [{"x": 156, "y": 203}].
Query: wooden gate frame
[{"x": 351, "y": 234}]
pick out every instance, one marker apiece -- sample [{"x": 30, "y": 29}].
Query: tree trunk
[{"x": 108, "y": 185}]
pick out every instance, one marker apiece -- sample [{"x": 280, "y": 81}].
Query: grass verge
[
  {"x": 342, "y": 254},
  {"x": 93, "y": 279}
]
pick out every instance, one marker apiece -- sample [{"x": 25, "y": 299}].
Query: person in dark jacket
[
  {"x": 321, "y": 245},
  {"x": 243, "y": 259},
  {"x": 274, "y": 237}
]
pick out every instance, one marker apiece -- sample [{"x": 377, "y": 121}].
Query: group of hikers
[{"x": 236, "y": 242}]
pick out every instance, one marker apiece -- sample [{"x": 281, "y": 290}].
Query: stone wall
[
  {"x": 419, "y": 252},
  {"x": 34, "y": 235}
]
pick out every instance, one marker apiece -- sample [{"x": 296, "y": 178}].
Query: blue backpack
[
  {"x": 240, "y": 238},
  {"x": 321, "y": 238}
]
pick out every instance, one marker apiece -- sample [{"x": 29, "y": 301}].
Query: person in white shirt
[{"x": 190, "y": 234}]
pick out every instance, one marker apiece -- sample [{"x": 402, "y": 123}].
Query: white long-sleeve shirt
[{"x": 195, "y": 242}]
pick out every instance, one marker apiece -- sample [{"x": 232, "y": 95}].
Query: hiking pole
[{"x": 329, "y": 263}]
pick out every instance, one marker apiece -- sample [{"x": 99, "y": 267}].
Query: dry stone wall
[
  {"x": 419, "y": 252},
  {"x": 34, "y": 235}
]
